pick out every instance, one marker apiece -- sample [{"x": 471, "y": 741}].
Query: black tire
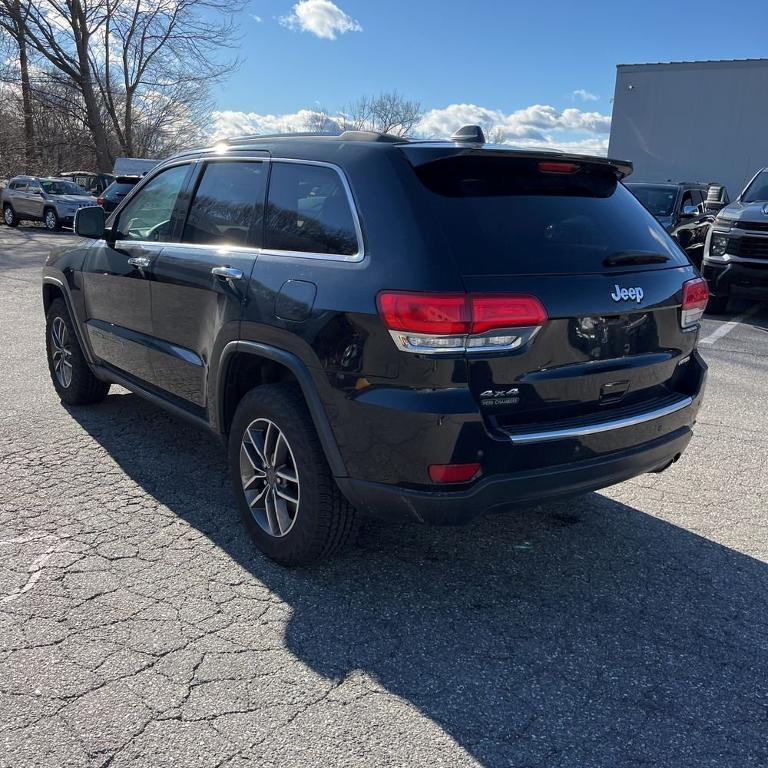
[
  {"x": 324, "y": 521},
  {"x": 717, "y": 305},
  {"x": 51, "y": 220},
  {"x": 9, "y": 216},
  {"x": 83, "y": 387}
]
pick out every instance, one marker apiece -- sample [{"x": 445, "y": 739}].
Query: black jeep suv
[{"x": 401, "y": 328}]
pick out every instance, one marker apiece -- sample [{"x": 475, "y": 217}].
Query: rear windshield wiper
[{"x": 624, "y": 258}]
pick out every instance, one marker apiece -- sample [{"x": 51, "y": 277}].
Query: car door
[
  {"x": 18, "y": 199},
  {"x": 198, "y": 283},
  {"x": 118, "y": 270},
  {"x": 34, "y": 200}
]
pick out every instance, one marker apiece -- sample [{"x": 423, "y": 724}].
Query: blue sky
[{"x": 502, "y": 57}]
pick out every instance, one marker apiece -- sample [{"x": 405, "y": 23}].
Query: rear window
[
  {"x": 506, "y": 216},
  {"x": 116, "y": 189}
]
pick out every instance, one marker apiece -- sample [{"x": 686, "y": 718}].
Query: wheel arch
[
  {"x": 271, "y": 364},
  {"x": 54, "y": 288}
]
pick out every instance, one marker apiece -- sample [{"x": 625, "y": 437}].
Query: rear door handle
[
  {"x": 227, "y": 273},
  {"x": 140, "y": 262}
]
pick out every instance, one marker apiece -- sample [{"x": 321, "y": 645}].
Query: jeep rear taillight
[
  {"x": 456, "y": 322},
  {"x": 695, "y": 297}
]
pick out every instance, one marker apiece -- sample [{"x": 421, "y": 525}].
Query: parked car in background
[
  {"x": 95, "y": 183},
  {"x": 736, "y": 249},
  {"x": 133, "y": 166},
  {"x": 686, "y": 210},
  {"x": 423, "y": 330},
  {"x": 52, "y": 201},
  {"x": 110, "y": 198},
  {"x": 670, "y": 203}
]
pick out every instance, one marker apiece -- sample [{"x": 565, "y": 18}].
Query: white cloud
[
  {"x": 584, "y": 95},
  {"x": 256, "y": 18},
  {"x": 322, "y": 18},
  {"x": 535, "y": 126},
  {"x": 532, "y": 122},
  {"x": 243, "y": 123}
]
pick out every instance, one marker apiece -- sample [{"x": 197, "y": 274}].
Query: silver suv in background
[{"x": 52, "y": 201}]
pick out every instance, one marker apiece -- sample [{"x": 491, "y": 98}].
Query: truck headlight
[{"x": 718, "y": 245}]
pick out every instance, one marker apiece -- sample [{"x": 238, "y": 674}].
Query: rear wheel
[
  {"x": 71, "y": 376},
  {"x": 9, "y": 216},
  {"x": 717, "y": 305},
  {"x": 287, "y": 496},
  {"x": 51, "y": 219}
]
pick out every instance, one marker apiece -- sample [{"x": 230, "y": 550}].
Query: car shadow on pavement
[{"x": 580, "y": 633}]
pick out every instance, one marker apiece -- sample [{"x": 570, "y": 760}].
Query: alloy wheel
[
  {"x": 61, "y": 352},
  {"x": 50, "y": 219},
  {"x": 8, "y": 215},
  {"x": 269, "y": 477}
]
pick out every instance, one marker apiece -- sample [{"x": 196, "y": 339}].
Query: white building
[{"x": 692, "y": 121}]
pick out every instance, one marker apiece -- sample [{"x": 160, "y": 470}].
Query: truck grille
[
  {"x": 754, "y": 226},
  {"x": 749, "y": 247}
]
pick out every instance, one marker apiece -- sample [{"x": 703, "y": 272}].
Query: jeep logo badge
[{"x": 627, "y": 294}]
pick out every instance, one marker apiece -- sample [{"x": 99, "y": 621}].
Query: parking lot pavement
[{"x": 138, "y": 627}]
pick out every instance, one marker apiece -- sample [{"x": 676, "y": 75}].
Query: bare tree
[
  {"x": 14, "y": 24},
  {"x": 157, "y": 55},
  {"x": 130, "y": 61},
  {"x": 389, "y": 112}
]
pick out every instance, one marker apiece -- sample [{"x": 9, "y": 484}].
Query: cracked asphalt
[{"x": 139, "y": 628}]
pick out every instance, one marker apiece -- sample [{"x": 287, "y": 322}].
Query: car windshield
[
  {"x": 757, "y": 191},
  {"x": 659, "y": 200},
  {"x": 62, "y": 188}
]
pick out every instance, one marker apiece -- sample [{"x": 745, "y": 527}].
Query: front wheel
[
  {"x": 51, "y": 219},
  {"x": 72, "y": 377},
  {"x": 286, "y": 493},
  {"x": 9, "y": 216}
]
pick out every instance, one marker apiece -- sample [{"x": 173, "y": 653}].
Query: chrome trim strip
[
  {"x": 605, "y": 426},
  {"x": 350, "y": 258}
]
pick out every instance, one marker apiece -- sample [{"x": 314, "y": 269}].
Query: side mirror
[
  {"x": 36, "y": 191},
  {"x": 89, "y": 222},
  {"x": 689, "y": 211}
]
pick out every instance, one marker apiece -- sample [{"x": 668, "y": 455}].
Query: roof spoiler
[{"x": 421, "y": 153}]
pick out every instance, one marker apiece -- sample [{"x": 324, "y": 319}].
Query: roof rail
[{"x": 344, "y": 136}]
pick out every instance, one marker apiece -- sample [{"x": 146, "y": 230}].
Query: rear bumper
[
  {"x": 532, "y": 466},
  {"x": 457, "y": 507},
  {"x": 736, "y": 277}
]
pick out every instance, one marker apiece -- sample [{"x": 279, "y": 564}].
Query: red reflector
[
  {"x": 99, "y": 201},
  {"x": 425, "y": 312},
  {"x": 458, "y": 314},
  {"x": 491, "y": 312},
  {"x": 695, "y": 293},
  {"x": 550, "y": 167},
  {"x": 452, "y": 473}
]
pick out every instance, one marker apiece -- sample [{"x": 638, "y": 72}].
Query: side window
[
  {"x": 228, "y": 206},
  {"x": 308, "y": 211},
  {"x": 148, "y": 215}
]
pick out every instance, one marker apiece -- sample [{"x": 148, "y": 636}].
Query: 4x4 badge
[{"x": 627, "y": 294}]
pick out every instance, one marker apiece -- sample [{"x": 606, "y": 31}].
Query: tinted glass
[
  {"x": 660, "y": 201},
  {"x": 228, "y": 206},
  {"x": 757, "y": 191},
  {"x": 148, "y": 215},
  {"x": 308, "y": 211},
  {"x": 62, "y": 188},
  {"x": 116, "y": 189},
  {"x": 505, "y": 216}
]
